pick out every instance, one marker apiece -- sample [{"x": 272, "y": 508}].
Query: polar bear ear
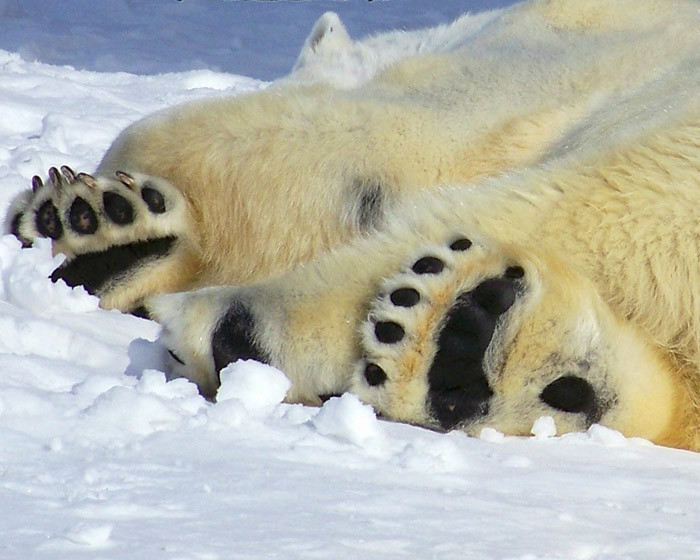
[{"x": 328, "y": 35}]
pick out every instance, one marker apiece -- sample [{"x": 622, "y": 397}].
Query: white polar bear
[{"x": 500, "y": 217}]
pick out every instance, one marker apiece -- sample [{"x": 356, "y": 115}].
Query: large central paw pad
[
  {"x": 108, "y": 228},
  {"x": 429, "y": 335}
]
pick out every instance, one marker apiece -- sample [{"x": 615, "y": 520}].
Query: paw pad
[
  {"x": 117, "y": 208},
  {"x": 375, "y": 375},
  {"x": 496, "y": 295},
  {"x": 514, "y": 272},
  {"x": 570, "y": 394},
  {"x": 444, "y": 310},
  {"x": 389, "y": 332},
  {"x": 82, "y": 218},
  {"x": 461, "y": 244},
  {"x": 47, "y": 221},
  {"x": 153, "y": 199},
  {"x": 112, "y": 230},
  {"x": 428, "y": 265},
  {"x": 405, "y": 297}
]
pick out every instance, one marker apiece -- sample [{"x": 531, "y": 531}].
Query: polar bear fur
[
  {"x": 562, "y": 138},
  {"x": 317, "y": 154}
]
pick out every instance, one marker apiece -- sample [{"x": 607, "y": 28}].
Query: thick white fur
[
  {"x": 270, "y": 177},
  {"x": 562, "y": 136},
  {"x": 330, "y": 56},
  {"x": 588, "y": 116}
]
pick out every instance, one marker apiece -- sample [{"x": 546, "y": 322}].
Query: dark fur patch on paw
[
  {"x": 118, "y": 209},
  {"x": 47, "y": 222},
  {"x": 14, "y": 230},
  {"x": 233, "y": 339},
  {"x": 370, "y": 203},
  {"x": 95, "y": 270},
  {"x": 141, "y": 312},
  {"x": 15, "y": 223},
  {"x": 153, "y": 199},
  {"x": 82, "y": 218}
]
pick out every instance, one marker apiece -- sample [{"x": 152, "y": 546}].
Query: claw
[
  {"x": 55, "y": 178},
  {"x": 126, "y": 179},
  {"x": 87, "y": 179},
  {"x": 37, "y": 183},
  {"x": 68, "y": 173}
]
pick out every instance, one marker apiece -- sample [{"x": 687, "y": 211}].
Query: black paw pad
[
  {"x": 389, "y": 332},
  {"x": 496, "y": 295},
  {"x": 97, "y": 269},
  {"x": 459, "y": 390},
  {"x": 461, "y": 244},
  {"x": 405, "y": 297},
  {"x": 118, "y": 208},
  {"x": 428, "y": 265},
  {"x": 454, "y": 406},
  {"x": 514, "y": 272},
  {"x": 233, "y": 339},
  {"x": 82, "y": 218},
  {"x": 153, "y": 199},
  {"x": 571, "y": 394},
  {"x": 47, "y": 222},
  {"x": 375, "y": 375}
]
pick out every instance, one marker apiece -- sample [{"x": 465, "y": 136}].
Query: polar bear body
[
  {"x": 517, "y": 93},
  {"x": 498, "y": 219},
  {"x": 591, "y": 184}
]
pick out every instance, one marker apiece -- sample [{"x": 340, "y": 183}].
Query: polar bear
[{"x": 471, "y": 226}]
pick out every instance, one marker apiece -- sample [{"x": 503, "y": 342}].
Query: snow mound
[
  {"x": 544, "y": 427},
  {"x": 348, "y": 419},
  {"x": 256, "y": 386}
]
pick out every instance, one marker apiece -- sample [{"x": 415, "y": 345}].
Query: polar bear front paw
[
  {"x": 113, "y": 231},
  {"x": 429, "y": 332}
]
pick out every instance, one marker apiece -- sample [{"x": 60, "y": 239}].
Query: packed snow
[{"x": 102, "y": 457}]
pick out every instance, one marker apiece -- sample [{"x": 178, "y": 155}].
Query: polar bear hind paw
[
  {"x": 110, "y": 229},
  {"x": 433, "y": 323}
]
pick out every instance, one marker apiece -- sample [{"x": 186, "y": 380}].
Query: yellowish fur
[
  {"x": 610, "y": 242},
  {"x": 426, "y": 120},
  {"x": 563, "y": 137}
]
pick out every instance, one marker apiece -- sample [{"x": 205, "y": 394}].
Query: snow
[
  {"x": 544, "y": 427},
  {"x": 257, "y": 386},
  {"x": 102, "y": 457}
]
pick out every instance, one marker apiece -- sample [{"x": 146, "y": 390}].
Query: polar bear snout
[
  {"x": 233, "y": 338},
  {"x": 458, "y": 387}
]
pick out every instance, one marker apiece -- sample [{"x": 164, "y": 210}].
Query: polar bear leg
[
  {"x": 445, "y": 329},
  {"x": 433, "y": 323},
  {"x": 308, "y": 321},
  {"x": 124, "y": 237}
]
